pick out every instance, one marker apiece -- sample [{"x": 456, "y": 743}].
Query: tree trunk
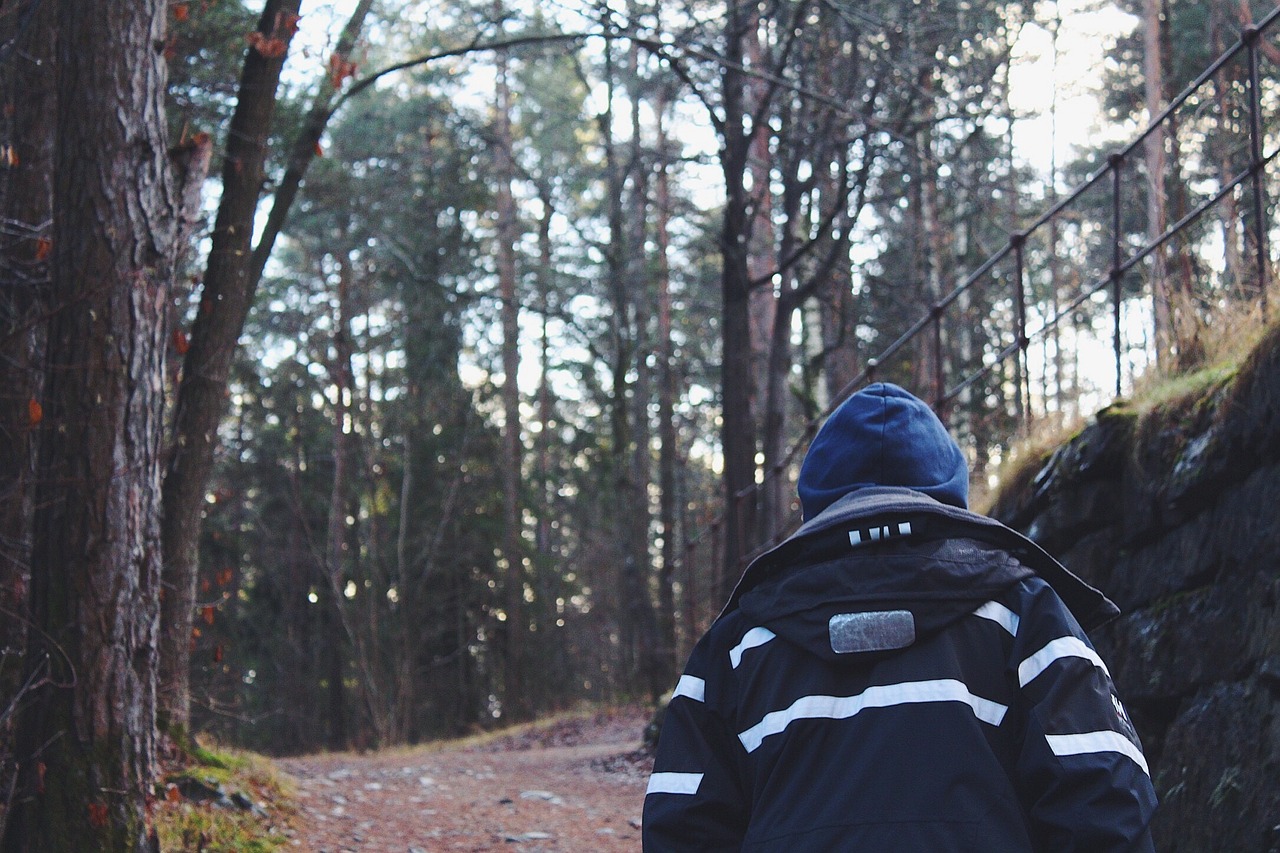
[
  {"x": 838, "y": 324},
  {"x": 1186, "y": 322},
  {"x": 336, "y": 542},
  {"x": 761, "y": 251},
  {"x": 931, "y": 373},
  {"x": 668, "y": 452},
  {"x": 775, "y": 492},
  {"x": 544, "y": 532},
  {"x": 86, "y": 744},
  {"x": 224, "y": 304},
  {"x": 1055, "y": 339},
  {"x": 738, "y": 435},
  {"x": 775, "y": 503},
  {"x": 514, "y": 702},
  {"x": 1153, "y": 87},
  {"x": 1224, "y": 144},
  {"x": 639, "y": 513}
]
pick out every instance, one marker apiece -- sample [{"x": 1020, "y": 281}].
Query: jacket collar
[{"x": 883, "y": 510}]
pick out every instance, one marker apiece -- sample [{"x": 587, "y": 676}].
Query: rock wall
[{"x": 1175, "y": 514}]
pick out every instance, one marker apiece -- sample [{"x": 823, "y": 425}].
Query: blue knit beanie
[{"x": 882, "y": 436}]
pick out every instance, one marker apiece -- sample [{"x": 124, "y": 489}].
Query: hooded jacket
[{"x": 900, "y": 675}]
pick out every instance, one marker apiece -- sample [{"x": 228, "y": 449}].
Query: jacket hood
[
  {"x": 882, "y": 436},
  {"x": 885, "y": 566},
  {"x": 880, "y": 599}
]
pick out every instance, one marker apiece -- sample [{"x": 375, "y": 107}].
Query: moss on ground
[{"x": 216, "y": 801}]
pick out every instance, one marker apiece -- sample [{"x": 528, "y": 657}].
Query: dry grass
[
  {"x": 1024, "y": 459},
  {"x": 1234, "y": 332}
]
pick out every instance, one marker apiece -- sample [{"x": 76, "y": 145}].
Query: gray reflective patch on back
[{"x": 874, "y": 631}]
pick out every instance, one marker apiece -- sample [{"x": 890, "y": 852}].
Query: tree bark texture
[
  {"x": 86, "y": 743},
  {"x": 225, "y": 300}
]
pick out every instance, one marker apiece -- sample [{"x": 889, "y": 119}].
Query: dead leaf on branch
[
  {"x": 275, "y": 43},
  {"x": 269, "y": 46},
  {"x": 340, "y": 69}
]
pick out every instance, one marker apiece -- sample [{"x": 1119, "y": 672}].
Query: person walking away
[{"x": 901, "y": 674}]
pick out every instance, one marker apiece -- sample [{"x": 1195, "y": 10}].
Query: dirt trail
[{"x": 575, "y": 785}]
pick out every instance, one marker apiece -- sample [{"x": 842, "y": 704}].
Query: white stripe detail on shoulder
[
  {"x": 674, "y": 783},
  {"x": 1092, "y": 742},
  {"x": 882, "y": 696},
  {"x": 755, "y": 637},
  {"x": 876, "y": 534},
  {"x": 692, "y": 686},
  {"x": 999, "y": 614},
  {"x": 1063, "y": 647}
]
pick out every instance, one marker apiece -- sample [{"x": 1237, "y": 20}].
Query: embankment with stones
[{"x": 1175, "y": 514}]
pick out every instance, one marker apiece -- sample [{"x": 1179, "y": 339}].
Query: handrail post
[
  {"x": 1250, "y": 37},
  {"x": 939, "y": 381},
  {"x": 1114, "y": 162},
  {"x": 1021, "y": 370},
  {"x": 717, "y": 558},
  {"x": 689, "y": 599}
]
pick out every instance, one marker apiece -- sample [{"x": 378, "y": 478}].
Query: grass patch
[
  {"x": 224, "y": 800},
  {"x": 1024, "y": 460},
  {"x": 1237, "y": 329},
  {"x": 1159, "y": 398},
  {"x": 1184, "y": 391}
]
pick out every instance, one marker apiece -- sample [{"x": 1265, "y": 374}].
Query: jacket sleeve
[
  {"x": 694, "y": 801},
  {"x": 1082, "y": 777}
]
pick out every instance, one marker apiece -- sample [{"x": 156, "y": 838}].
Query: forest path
[{"x": 576, "y": 784}]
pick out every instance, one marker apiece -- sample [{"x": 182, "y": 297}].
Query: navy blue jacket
[{"x": 900, "y": 675}]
